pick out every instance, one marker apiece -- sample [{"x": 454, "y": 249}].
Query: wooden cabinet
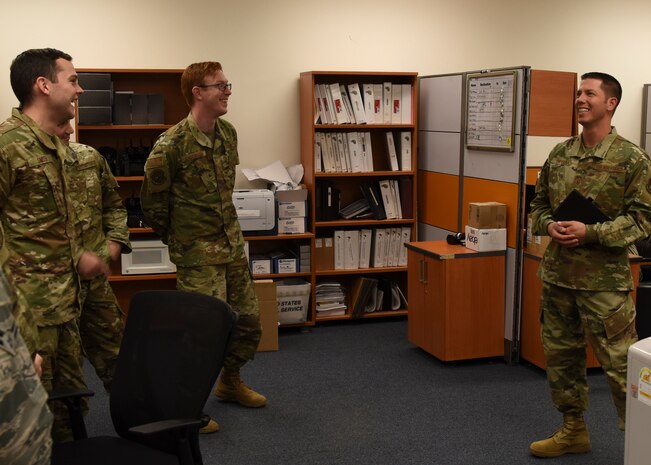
[
  {"x": 348, "y": 183},
  {"x": 456, "y": 306}
]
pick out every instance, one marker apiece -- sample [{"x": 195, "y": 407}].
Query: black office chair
[{"x": 172, "y": 351}]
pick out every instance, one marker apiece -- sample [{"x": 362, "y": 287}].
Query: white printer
[
  {"x": 256, "y": 211},
  {"x": 637, "y": 448}
]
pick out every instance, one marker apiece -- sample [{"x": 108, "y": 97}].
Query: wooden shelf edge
[
  {"x": 378, "y": 314},
  {"x": 323, "y": 174},
  {"x": 386, "y": 269},
  {"x": 141, "y": 277},
  {"x": 337, "y": 223},
  {"x": 122, "y": 127}
]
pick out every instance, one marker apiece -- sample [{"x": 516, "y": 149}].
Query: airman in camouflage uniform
[
  {"x": 26, "y": 421},
  {"x": 41, "y": 255},
  {"x": 101, "y": 221},
  {"x": 585, "y": 270},
  {"x": 187, "y": 198}
]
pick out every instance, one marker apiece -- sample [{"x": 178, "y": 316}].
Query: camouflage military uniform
[
  {"x": 187, "y": 198},
  {"x": 100, "y": 217},
  {"x": 40, "y": 249},
  {"x": 26, "y": 421},
  {"x": 586, "y": 289}
]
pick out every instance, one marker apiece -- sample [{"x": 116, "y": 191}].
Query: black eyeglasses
[{"x": 220, "y": 85}]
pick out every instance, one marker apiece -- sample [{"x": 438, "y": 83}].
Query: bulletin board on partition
[{"x": 490, "y": 111}]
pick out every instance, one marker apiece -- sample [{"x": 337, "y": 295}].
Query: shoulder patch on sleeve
[{"x": 157, "y": 176}]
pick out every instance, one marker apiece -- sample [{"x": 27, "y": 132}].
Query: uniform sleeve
[
  {"x": 155, "y": 191},
  {"x": 635, "y": 221},
  {"x": 541, "y": 210},
  {"x": 6, "y": 178},
  {"x": 114, "y": 214}
]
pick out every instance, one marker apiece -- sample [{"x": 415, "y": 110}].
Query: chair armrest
[
  {"x": 72, "y": 398},
  {"x": 165, "y": 425},
  {"x": 67, "y": 393}
]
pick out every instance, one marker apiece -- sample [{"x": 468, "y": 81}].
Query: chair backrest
[{"x": 172, "y": 351}]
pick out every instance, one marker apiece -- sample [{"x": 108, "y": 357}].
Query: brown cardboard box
[
  {"x": 487, "y": 215},
  {"x": 265, "y": 290},
  {"x": 536, "y": 244}
]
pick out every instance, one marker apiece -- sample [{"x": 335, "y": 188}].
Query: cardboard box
[
  {"x": 296, "y": 195},
  {"x": 265, "y": 290},
  {"x": 487, "y": 215},
  {"x": 485, "y": 240},
  {"x": 535, "y": 244},
  {"x": 292, "y": 209},
  {"x": 260, "y": 264},
  {"x": 293, "y": 300},
  {"x": 292, "y": 225}
]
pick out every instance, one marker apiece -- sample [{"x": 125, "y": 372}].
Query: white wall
[{"x": 264, "y": 45}]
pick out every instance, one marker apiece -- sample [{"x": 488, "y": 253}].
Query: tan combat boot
[
  {"x": 231, "y": 388},
  {"x": 211, "y": 427},
  {"x": 571, "y": 438}
]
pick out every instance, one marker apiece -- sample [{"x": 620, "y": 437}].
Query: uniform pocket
[{"x": 619, "y": 321}]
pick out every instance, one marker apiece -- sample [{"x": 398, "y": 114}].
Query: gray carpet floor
[{"x": 360, "y": 393}]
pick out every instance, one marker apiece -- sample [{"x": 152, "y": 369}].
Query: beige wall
[{"x": 264, "y": 45}]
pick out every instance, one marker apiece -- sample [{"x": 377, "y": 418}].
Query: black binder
[{"x": 576, "y": 207}]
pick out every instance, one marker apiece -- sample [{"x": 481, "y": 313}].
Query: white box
[
  {"x": 291, "y": 225},
  {"x": 638, "y": 403},
  {"x": 293, "y": 300},
  {"x": 484, "y": 240},
  {"x": 292, "y": 209},
  {"x": 260, "y": 265},
  {"x": 285, "y": 265}
]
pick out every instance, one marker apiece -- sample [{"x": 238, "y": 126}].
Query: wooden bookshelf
[{"x": 348, "y": 182}]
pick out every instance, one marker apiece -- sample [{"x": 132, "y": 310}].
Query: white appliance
[
  {"x": 147, "y": 257},
  {"x": 637, "y": 449}
]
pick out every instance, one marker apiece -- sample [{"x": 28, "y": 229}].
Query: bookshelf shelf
[{"x": 348, "y": 181}]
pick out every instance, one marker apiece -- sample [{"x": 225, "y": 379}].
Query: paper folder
[{"x": 576, "y": 207}]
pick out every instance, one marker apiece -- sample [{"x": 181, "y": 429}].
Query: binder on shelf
[
  {"x": 318, "y": 106},
  {"x": 392, "y": 156},
  {"x": 396, "y": 105},
  {"x": 355, "y": 209},
  {"x": 386, "y": 102},
  {"x": 339, "y": 249},
  {"x": 347, "y": 104},
  {"x": 405, "y": 151},
  {"x": 378, "y": 103},
  {"x": 351, "y": 249},
  {"x": 368, "y": 151},
  {"x": 576, "y": 207},
  {"x": 378, "y": 254},
  {"x": 327, "y": 103},
  {"x": 318, "y": 161},
  {"x": 365, "y": 242},
  {"x": 362, "y": 291},
  {"x": 395, "y": 190},
  {"x": 374, "y": 199},
  {"x": 357, "y": 103},
  {"x": 405, "y": 236},
  {"x": 356, "y": 151},
  {"x": 388, "y": 199},
  {"x": 405, "y": 101},
  {"x": 369, "y": 103},
  {"x": 337, "y": 104}
]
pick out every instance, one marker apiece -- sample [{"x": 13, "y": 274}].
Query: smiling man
[
  {"x": 585, "y": 271},
  {"x": 40, "y": 253},
  {"x": 187, "y": 198}
]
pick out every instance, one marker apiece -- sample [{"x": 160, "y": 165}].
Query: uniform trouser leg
[
  {"x": 101, "y": 326},
  {"x": 62, "y": 368},
  {"x": 567, "y": 318},
  {"x": 609, "y": 320},
  {"x": 233, "y": 283},
  {"x": 564, "y": 344}
]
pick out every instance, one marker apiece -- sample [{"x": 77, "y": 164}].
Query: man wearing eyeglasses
[{"x": 187, "y": 199}]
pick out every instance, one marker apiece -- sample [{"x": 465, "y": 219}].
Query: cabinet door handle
[
  {"x": 425, "y": 277},
  {"x": 420, "y": 270}
]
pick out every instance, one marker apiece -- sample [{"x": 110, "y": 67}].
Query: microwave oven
[{"x": 147, "y": 257}]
